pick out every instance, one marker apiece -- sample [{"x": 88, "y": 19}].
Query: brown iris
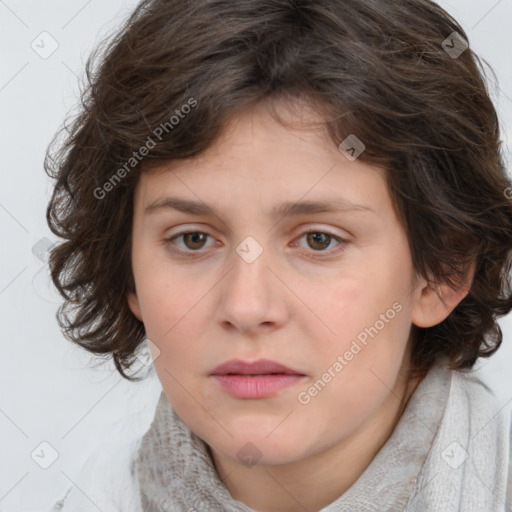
[
  {"x": 194, "y": 238},
  {"x": 314, "y": 238}
]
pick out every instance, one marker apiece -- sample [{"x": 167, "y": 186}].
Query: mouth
[
  {"x": 255, "y": 380},
  {"x": 256, "y": 368}
]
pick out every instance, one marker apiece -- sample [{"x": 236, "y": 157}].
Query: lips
[
  {"x": 255, "y": 380},
  {"x": 259, "y": 367}
]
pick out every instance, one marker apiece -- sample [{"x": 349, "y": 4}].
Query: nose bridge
[
  {"x": 249, "y": 297},
  {"x": 249, "y": 275}
]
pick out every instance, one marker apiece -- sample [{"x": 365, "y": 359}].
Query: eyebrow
[{"x": 292, "y": 208}]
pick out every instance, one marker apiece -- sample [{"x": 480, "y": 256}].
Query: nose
[{"x": 254, "y": 298}]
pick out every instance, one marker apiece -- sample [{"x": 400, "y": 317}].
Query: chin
[{"x": 254, "y": 448}]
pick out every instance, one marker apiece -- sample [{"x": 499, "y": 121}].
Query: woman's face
[{"x": 334, "y": 305}]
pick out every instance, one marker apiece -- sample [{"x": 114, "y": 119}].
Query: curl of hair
[{"x": 376, "y": 69}]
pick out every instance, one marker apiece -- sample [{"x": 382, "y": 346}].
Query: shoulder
[
  {"x": 492, "y": 423},
  {"x": 470, "y": 389},
  {"x": 472, "y": 445},
  {"x": 106, "y": 481},
  {"x": 472, "y": 399}
]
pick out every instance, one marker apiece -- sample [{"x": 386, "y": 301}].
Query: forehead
[{"x": 288, "y": 169}]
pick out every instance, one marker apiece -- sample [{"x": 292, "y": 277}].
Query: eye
[
  {"x": 319, "y": 241},
  {"x": 193, "y": 240}
]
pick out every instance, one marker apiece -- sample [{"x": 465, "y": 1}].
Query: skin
[{"x": 287, "y": 306}]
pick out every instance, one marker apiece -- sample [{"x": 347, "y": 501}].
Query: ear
[
  {"x": 433, "y": 304},
  {"x": 133, "y": 304}
]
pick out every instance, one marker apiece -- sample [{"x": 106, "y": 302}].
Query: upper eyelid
[{"x": 303, "y": 231}]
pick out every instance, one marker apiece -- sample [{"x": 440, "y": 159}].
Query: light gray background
[{"x": 50, "y": 392}]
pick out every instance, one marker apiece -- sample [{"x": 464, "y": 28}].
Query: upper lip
[{"x": 259, "y": 367}]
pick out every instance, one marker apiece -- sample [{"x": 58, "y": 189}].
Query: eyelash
[{"x": 192, "y": 254}]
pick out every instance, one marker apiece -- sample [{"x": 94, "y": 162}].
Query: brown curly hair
[{"x": 377, "y": 69}]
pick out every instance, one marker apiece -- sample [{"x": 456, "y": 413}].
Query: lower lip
[{"x": 259, "y": 386}]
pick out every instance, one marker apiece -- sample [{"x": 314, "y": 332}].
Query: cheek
[
  {"x": 350, "y": 303},
  {"x": 166, "y": 295},
  {"x": 368, "y": 314},
  {"x": 166, "y": 313}
]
